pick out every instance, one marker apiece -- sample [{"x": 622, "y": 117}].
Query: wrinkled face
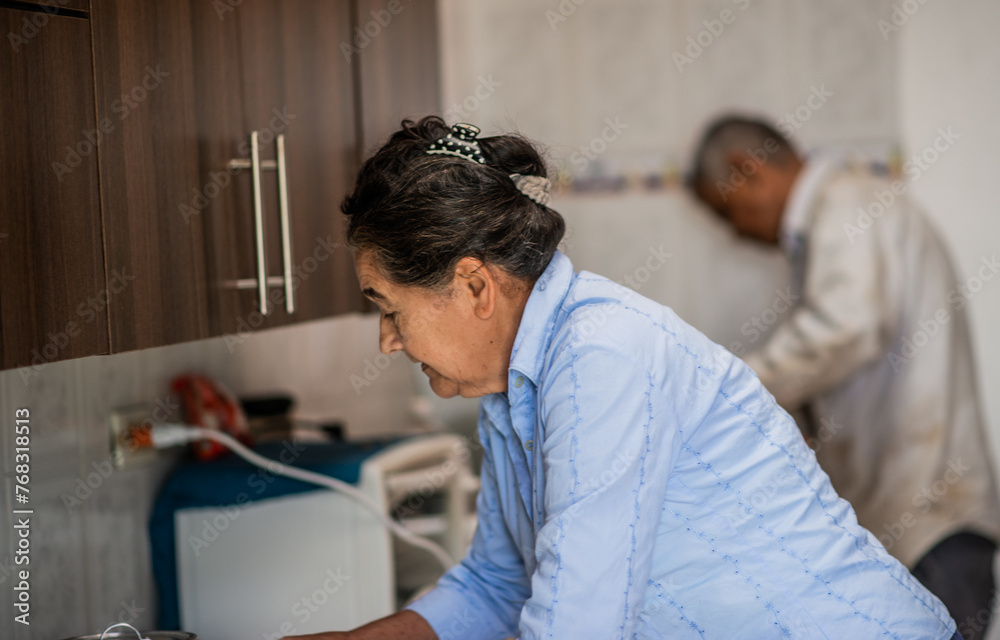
[
  {"x": 754, "y": 207},
  {"x": 438, "y": 330}
]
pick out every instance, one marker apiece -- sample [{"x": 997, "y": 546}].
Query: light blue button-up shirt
[{"x": 639, "y": 482}]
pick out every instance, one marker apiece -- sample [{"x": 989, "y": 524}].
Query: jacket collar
[
  {"x": 796, "y": 218},
  {"x": 539, "y": 319}
]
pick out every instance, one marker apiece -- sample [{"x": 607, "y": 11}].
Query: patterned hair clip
[
  {"x": 537, "y": 188},
  {"x": 461, "y": 142}
]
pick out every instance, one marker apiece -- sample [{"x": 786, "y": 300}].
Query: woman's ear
[{"x": 476, "y": 283}]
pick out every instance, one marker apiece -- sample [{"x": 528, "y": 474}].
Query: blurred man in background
[{"x": 877, "y": 346}]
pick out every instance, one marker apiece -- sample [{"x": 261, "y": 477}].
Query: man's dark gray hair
[{"x": 730, "y": 133}]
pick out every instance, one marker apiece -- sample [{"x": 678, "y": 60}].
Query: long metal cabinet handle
[
  {"x": 258, "y": 222},
  {"x": 286, "y": 235}
]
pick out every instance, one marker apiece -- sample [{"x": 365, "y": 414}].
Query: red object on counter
[{"x": 209, "y": 405}]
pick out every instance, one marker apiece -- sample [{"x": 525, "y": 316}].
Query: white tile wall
[
  {"x": 90, "y": 562},
  {"x": 711, "y": 279}
]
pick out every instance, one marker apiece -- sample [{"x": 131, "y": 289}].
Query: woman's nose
[{"x": 388, "y": 339}]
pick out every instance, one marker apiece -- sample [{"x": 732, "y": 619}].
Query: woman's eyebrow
[{"x": 373, "y": 294}]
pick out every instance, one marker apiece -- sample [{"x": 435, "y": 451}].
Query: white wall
[
  {"x": 949, "y": 76},
  {"x": 556, "y": 69},
  {"x": 517, "y": 64}
]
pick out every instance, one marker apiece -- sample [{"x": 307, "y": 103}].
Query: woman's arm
[
  {"x": 608, "y": 453},
  {"x": 405, "y": 624}
]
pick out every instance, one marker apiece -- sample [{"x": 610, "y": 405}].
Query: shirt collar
[
  {"x": 795, "y": 218},
  {"x": 539, "y": 318}
]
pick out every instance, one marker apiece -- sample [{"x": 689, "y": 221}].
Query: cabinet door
[
  {"x": 296, "y": 83},
  {"x": 168, "y": 93},
  {"x": 53, "y": 293},
  {"x": 61, "y": 6},
  {"x": 396, "y": 46}
]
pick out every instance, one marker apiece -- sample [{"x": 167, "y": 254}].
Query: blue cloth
[
  {"x": 231, "y": 481},
  {"x": 639, "y": 482}
]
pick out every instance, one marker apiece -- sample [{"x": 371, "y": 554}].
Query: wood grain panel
[
  {"x": 52, "y": 282},
  {"x": 399, "y": 66},
  {"x": 168, "y": 137}
]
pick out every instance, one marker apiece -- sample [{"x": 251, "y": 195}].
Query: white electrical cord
[{"x": 171, "y": 435}]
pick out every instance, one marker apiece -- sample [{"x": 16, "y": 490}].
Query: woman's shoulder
[
  {"x": 599, "y": 315},
  {"x": 595, "y": 302}
]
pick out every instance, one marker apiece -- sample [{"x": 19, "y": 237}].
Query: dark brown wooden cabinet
[
  {"x": 296, "y": 87},
  {"x": 174, "y": 93},
  {"x": 151, "y": 165},
  {"x": 53, "y": 289},
  {"x": 398, "y": 74}
]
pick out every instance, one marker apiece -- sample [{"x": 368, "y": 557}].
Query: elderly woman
[{"x": 637, "y": 479}]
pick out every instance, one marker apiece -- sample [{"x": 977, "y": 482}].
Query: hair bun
[{"x": 538, "y": 188}]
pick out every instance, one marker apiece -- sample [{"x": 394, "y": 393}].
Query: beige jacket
[{"x": 878, "y": 351}]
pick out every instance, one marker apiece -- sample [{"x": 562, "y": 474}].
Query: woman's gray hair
[{"x": 419, "y": 214}]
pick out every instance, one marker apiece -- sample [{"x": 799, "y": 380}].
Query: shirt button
[
  {"x": 529, "y": 445},
  {"x": 519, "y": 382}
]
